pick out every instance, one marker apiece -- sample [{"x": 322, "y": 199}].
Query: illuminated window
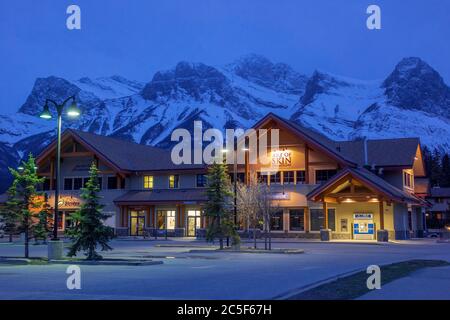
[
  {"x": 170, "y": 220},
  {"x": 148, "y": 182},
  {"x": 174, "y": 181},
  {"x": 407, "y": 179}
]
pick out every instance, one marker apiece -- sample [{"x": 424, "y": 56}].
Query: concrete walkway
[{"x": 426, "y": 284}]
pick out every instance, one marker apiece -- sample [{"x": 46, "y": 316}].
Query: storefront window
[
  {"x": 318, "y": 219},
  {"x": 262, "y": 177},
  {"x": 170, "y": 220},
  {"x": 297, "y": 220},
  {"x": 277, "y": 221},
  {"x": 148, "y": 182},
  {"x": 166, "y": 218}
]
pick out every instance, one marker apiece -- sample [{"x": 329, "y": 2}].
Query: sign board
[
  {"x": 363, "y": 216},
  {"x": 282, "y": 158},
  {"x": 279, "y": 196}
]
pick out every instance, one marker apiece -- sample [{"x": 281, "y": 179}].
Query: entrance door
[
  {"x": 193, "y": 222},
  {"x": 137, "y": 223}
]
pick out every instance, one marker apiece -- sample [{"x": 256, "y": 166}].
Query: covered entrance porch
[{"x": 366, "y": 207}]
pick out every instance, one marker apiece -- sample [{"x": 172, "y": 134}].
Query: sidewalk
[{"x": 426, "y": 284}]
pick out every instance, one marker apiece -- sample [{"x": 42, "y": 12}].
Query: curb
[{"x": 108, "y": 262}]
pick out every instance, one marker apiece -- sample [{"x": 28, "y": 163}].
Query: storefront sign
[
  {"x": 282, "y": 158},
  {"x": 279, "y": 196},
  {"x": 363, "y": 216},
  {"x": 69, "y": 202}
]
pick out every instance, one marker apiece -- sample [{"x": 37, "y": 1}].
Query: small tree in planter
[
  {"x": 23, "y": 198},
  {"x": 267, "y": 207},
  {"x": 9, "y": 218},
  {"x": 218, "y": 204},
  {"x": 88, "y": 230},
  {"x": 247, "y": 204},
  {"x": 42, "y": 228}
]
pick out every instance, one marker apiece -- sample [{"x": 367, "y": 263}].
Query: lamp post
[{"x": 73, "y": 111}]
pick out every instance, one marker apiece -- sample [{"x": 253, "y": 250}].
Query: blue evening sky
[{"x": 136, "y": 38}]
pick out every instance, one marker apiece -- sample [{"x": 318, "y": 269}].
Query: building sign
[
  {"x": 363, "y": 216},
  {"x": 279, "y": 196},
  {"x": 68, "y": 202},
  {"x": 282, "y": 158}
]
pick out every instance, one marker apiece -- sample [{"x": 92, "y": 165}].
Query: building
[
  {"x": 354, "y": 188},
  {"x": 438, "y": 215}
]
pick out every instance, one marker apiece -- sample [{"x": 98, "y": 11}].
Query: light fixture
[
  {"x": 73, "y": 110},
  {"x": 20, "y": 168},
  {"x": 45, "y": 114}
]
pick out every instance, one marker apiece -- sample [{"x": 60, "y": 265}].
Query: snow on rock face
[
  {"x": 415, "y": 85},
  {"x": 276, "y": 76}
]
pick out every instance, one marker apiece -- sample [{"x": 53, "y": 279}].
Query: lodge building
[{"x": 354, "y": 188}]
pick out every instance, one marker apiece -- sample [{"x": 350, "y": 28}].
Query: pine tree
[
  {"x": 23, "y": 198},
  {"x": 436, "y": 169},
  {"x": 42, "y": 228},
  {"x": 88, "y": 230},
  {"x": 218, "y": 206}
]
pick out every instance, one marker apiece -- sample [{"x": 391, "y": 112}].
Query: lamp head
[
  {"x": 73, "y": 110},
  {"x": 45, "y": 114}
]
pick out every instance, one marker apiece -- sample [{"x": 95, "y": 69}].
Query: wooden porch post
[
  {"x": 325, "y": 212},
  {"x": 149, "y": 208},
  {"x": 306, "y": 164},
  {"x": 381, "y": 207},
  {"x": 307, "y": 227}
]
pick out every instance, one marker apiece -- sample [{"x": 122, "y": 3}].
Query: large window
[
  {"x": 112, "y": 183},
  {"x": 201, "y": 180},
  {"x": 174, "y": 181},
  {"x": 77, "y": 183},
  {"x": 288, "y": 177},
  {"x": 301, "y": 177},
  {"x": 324, "y": 175},
  {"x": 262, "y": 177},
  {"x": 275, "y": 177},
  {"x": 166, "y": 219},
  {"x": 297, "y": 219},
  {"x": 277, "y": 221},
  {"x": 148, "y": 182},
  {"x": 318, "y": 219},
  {"x": 68, "y": 184}
]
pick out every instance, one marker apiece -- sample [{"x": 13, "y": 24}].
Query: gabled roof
[
  {"x": 312, "y": 137},
  {"x": 382, "y": 153},
  {"x": 162, "y": 195},
  {"x": 398, "y": 152},
  {"x": 125, "y": 156},
  {"x": 371, "y": 180}
]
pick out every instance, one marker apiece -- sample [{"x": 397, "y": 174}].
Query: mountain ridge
[{"x": 413, "y": 100}]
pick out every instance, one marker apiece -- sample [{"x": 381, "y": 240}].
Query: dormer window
[{"x": 408, "y": 181}]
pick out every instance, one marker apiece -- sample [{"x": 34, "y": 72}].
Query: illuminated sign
[
  {"x": 282, "y": 158},
  {"x": 69, "y": 202}
]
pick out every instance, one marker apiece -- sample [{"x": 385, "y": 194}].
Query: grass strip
[{"x": 354, "y": 286}]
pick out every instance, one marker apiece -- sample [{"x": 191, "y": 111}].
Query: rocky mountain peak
[
  {"x": 414, "y": 84},
  {"x": 192, "y": 79},
  {"x": 278, "y": 76}
]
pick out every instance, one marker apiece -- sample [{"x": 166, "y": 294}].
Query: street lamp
[{"x": 73, "y": 111}]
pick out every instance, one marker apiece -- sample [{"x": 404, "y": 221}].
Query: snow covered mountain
[{"x": 412, "y": 101}]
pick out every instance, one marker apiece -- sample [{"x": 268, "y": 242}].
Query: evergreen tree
[
  {"x": 218, "y": 206},
  {"x": 42, "y": 228},
  {"x": 9, "y": 218},
  {"x": 435, "y": 173},
  {"x": 23, "y": 198},
  {"x": 88, "y": 230}
]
